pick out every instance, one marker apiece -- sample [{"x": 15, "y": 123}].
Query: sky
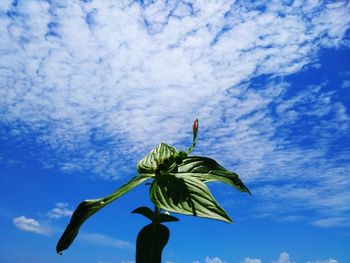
[{"x": 87, "y": 88}]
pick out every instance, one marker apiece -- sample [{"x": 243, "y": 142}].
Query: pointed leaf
[
  {"x": 145, "y": 211},
  {"x": 149, "y": 163},
  {"x": 154, "y": 217},
  {"x": 89, "y": 207},
  {"x": 186, "y": 195},
  {"x": 208, "y": 170},
  {"x": 167, "y": 218}
]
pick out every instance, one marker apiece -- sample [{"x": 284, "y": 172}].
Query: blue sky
[{"x": 89, "y": 87}]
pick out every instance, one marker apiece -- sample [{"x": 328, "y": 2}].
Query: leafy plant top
[{"x": 178, "y": 185}]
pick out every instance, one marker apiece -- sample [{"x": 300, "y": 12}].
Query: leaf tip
[
  {"x": 229, "y": 220},
  {"x": 59, "y": 251},
  {"x": 247, "y": 191}
]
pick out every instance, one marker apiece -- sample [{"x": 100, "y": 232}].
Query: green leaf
[
  {"x": 186, "y": 195},
  {"x": 208, "y": 170},
  {"x": 149, "y": 163},
  {"x": 89, "y": 207}
]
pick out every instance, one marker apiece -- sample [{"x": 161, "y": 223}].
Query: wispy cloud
[
  {"x": 346, "y": 84},
  {"x": 96, "y": 86},
  {"x": 135, "y": 75},
  {"x": 332, "y": 222},
  {"x": 30, "y": 225},
  {"x": 285, "y": 258},
  {"x": 104, "y": 240},
  {"x": 61, "y": 210},
  {"x": 213, "y": 260},
  {"x": 297, "y": 161},
  {"x": 251, "y": 260},
  {"x": 324, "y": 207},
  {"x": 324, "y": 261}
]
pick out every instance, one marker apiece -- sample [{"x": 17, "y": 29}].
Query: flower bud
[{"x": 195, "y": 126}]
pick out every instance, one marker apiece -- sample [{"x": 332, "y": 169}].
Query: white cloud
[
  {"x": 30, "y": 225},
  {"x": 332, "y": 222},
  {"x": 135, "y": 89},
  {"x": 104, "y": 240},
  {"x": 283, "y": 258},
  {"x": 346, "y": 84},
  {"x": 214, "y": 260},
  {"x": 61, "y": 210},
  {"x": 324, "y": 261},
  {"x": 251, "y": 260},
  {"x": 100, "y": 85}
]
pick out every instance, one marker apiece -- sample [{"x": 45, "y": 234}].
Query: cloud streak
[
  {"x": 285, "y": 258},
  {"x": 324, "y": 261},
  {"x": 30, "y": 225},
  {"x": 213, "y": 260},
  {"x": 103, "y": 240}
]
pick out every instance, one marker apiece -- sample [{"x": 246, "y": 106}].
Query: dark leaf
[
  {"x": 166, "y": 218},
  {"x": 154, "y": 217},
  {"x": 89, "y": 207},
  {"x": 150, "y": 243},
  {"x": 145, "y": 211}
]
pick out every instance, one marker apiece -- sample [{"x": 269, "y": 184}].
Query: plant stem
[{"x": 156, "y": 213}]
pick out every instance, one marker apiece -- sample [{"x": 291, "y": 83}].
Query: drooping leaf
[
  {"x": 145, "y": 211},
  {"x": 150, "y": 243},
  {"x": 149, "y": 163},
  {"x": 162, "y": 218},
  {"x": 208, "y": 170},
  {"x": 89, "y": 207},
  {"x": 154, "y": 217},
  {"x": 186, "y": 195}
]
